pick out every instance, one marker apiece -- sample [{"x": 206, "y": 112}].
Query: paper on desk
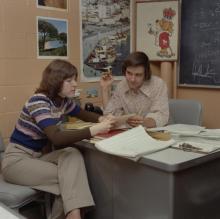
[
  {"x": 210, "y": 134},
  {"x": 132, "y": 143},
  {"x": 181, "y": 129}
]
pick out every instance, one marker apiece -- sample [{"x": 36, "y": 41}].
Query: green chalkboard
[{"x": 200, "y": 43}]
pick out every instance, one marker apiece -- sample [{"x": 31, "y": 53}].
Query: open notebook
[{"x": 132, "y": 144}]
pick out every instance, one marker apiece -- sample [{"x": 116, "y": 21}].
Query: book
[{"x": 132, "y": 144}]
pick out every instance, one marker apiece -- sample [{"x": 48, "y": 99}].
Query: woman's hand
[
  {"x": 111, "y": 118},
  {"x": 101, "y": 127}
]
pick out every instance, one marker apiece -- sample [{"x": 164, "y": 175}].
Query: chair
[
  {"x": 16, "y": 196},
  {"x": 185, "y": 111}
]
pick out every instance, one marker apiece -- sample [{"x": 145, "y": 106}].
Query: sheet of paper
[
  {"x": 182, "y": 129},
  {"x": 121, "y": 120},
  {"x": 132, "y": 143},
  {"x": 210, "y": 134}
]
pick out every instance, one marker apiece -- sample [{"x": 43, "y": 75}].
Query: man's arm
[
  {"x": 159, "y": 110},
  {"x": 106, "y": 81}
]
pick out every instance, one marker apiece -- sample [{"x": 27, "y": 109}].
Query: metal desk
[{"x": 169, "y": 184}]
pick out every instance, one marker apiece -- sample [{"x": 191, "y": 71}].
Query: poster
[
  {"x": 157, "y": 29},
  {"x": 105, "y": 37}
]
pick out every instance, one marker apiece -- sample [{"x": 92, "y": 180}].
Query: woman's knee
[{"x": 72, "y": 154}]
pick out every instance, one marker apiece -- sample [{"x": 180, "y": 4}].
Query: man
[{"x": 139, "y": 93}]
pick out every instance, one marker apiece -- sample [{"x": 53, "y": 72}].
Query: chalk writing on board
[{"x": 200, "y": 43}]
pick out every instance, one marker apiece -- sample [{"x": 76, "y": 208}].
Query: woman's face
[{"x": 68, "y": 88}]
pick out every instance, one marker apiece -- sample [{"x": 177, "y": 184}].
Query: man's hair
[
  {"x": 137, "y": 59},
  {"x": 53, "y": 77}
]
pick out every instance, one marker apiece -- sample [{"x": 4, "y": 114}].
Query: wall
[{"x": 20, "y": 70}]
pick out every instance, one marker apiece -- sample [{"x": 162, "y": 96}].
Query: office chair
[
  {"x": 16, "y": 196},
  {"x": 185, "y": 111}
]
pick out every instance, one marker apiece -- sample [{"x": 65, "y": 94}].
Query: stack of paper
[
  {"x": 210, "y": 134},
  {"x": 132, "y": 144},
  {"x": 180, "y": 129},
  {"x": 197, "y": 138}
]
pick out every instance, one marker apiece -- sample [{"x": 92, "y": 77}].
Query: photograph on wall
[
  {"x": 52, "y": 4},
  {"x": 105, "y": 37},
  {"x": 157, "y": 29},
  {"x": 52, "y": 38},
  {"x": 91, "y": 92}
]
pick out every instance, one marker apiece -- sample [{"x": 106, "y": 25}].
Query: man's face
[{"x": 135, "y": 77}]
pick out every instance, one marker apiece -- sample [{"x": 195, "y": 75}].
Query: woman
[{"x": 61, "y": 172}]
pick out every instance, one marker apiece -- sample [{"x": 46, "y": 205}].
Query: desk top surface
[
  {"x": 170, "y": 160},
  {"x": 175, "y": 160}
]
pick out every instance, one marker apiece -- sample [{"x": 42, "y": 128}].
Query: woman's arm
[{"x": 62, "y": 138}]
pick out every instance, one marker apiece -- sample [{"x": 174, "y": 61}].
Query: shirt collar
[{"x": 146, "y": 87}]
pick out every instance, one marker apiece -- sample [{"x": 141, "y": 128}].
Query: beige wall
[{"x": 20, "y": 70}]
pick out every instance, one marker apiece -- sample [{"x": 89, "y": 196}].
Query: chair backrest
[
  {"x": 2, "y": 147},
  {"x": 185, "y": 111}
]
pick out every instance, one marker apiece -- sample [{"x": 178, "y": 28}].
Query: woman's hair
[
  {"x": 54, "y": 75},
  {"x": 137, "y": 59}
]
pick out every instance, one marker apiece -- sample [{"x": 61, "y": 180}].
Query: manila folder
[{"x": 132, "y": 143}]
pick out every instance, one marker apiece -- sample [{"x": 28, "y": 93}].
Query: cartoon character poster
[{"x": 157, "y": 29}]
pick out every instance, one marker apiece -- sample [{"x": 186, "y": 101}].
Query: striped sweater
[{"x": 38, "y": 113}]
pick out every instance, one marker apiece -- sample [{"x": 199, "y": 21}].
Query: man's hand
[
  {"x": 135, "y": 120},
  {"x": 106, "y": 80},
  {"x": 139, "y": 120}
]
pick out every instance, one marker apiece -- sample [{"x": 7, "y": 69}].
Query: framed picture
[
  {"x": 52, "y": 4},
  {"x": 52, "y": 38},
  {"x": 157, "y": 29},
  {"x": 105, "y": 37}
]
